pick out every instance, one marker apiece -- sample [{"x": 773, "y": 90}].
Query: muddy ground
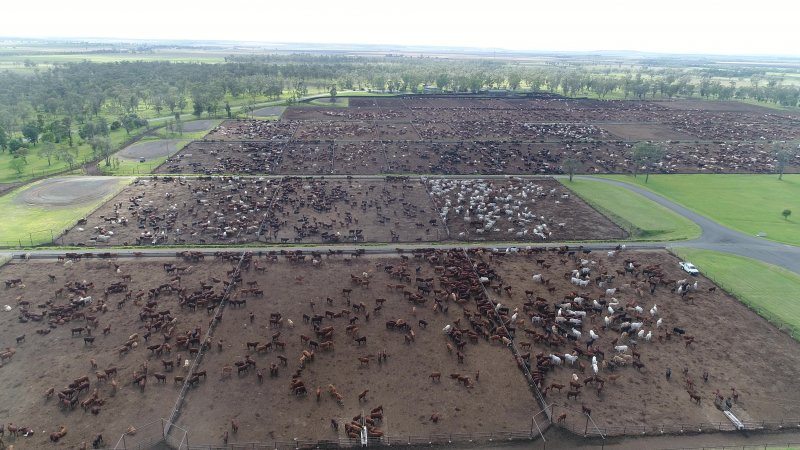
[
  {"x": 55, "y": 359},
  {"x": 735, "y": 346},
  {"x": 267, "y": 411}
]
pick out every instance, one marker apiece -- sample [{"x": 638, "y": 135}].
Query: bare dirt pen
[
  {"x": 55, "y": 359},
  {"x": 149, "y": 149},
  {"x": 736, "y": 347},
  {"x": 516, "y": 209},
  {"x": 498, "y": 398},
  {"x": 468, "y": 135}
]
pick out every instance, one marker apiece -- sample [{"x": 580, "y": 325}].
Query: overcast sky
[{"x": 681, "y": 26}]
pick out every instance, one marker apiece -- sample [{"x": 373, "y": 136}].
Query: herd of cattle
[
  {"x": 235, "y": 210},
  {"x": 547, "y": 326},
  {"x": 488, "y": 136}
]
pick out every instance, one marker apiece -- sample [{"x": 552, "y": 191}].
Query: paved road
[{"x": 720, "y": 238}]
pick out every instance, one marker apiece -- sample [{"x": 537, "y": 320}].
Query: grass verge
[
  {"x": 643, "y": 219},
  {"x": 769, "y": 290},
  {"x": 748, "y": 203}
]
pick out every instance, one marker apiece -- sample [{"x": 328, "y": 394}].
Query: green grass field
[
  {"x": 644, "y": 219},
  {"x": 747, "y": 203},
  {"x": 33, "y": 225},
  {"x": 769, "y": 290}
]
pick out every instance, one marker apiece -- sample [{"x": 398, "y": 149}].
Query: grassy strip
[
  {"x": 747, "y": 203},
  {"x": 769, "y": 290},
  {"x": 28, "y": 225},
  {"x": 643, "y": 219}
]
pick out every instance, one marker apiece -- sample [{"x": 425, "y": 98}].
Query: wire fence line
[
  {"x": 578, "y": 428},
  {"x": 440, "y": 439},
  {"x": 153, "y": 435}
]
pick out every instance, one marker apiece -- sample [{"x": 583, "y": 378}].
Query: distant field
[
  {"x": 644, "y": 219},
  {"x": 769, "y": 290},
  {"x": 747, "y": 203}
]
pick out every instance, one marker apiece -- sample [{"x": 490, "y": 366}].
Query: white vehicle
[{"x": 689, "y": 268}]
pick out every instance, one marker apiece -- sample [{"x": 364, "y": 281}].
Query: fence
[
  {"x": 657, "y": 430},
  {"x": 786, "y": 445},
  {"x": 152, "y": 435},
  {"x": 486, "y": 438}
]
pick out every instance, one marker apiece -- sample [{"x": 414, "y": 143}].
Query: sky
[{"x": 765, "y": 27}]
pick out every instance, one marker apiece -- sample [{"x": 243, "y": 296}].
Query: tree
[
  {"x": 18, "y": 164},
  {"x": 66, "y": 156},
  {"x": 514, "y": 79},
  {"x": 47, "y": 150},
  {"x": 786, "y": 213},
  {"x": 571, "y": 166},
  {"x": 23, "y": 153},
  {"x": 3, "y": 139},
  {"x": 645, "y": 155},
  {"x": 14, "y": 145},
  {"x": 102, "y": 146},
  {"x": 178, "y": 123},
  {"x": 131, "y": 121},
  {"x": 784, "y": 154},
  {"x": 333, "y": 93},
  {"x": 31, "y": 132},
  {"x": 197, "y": 107},
  {"x": 228, "y": 109}
]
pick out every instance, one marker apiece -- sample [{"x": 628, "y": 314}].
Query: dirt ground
[
  {"x": 645, "y": 132},
  {"x": 198, "y": 125},
  {"x": 55, "y": 359},
  {"x": 735, "y": 346},
  {"x": 314, "y": 210},
  {"x": 149, "y": 149},
  {"x": 268, "y": 411},
  {"x": 517, "y": 209},
  {"x": 499, "y": 398}
]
